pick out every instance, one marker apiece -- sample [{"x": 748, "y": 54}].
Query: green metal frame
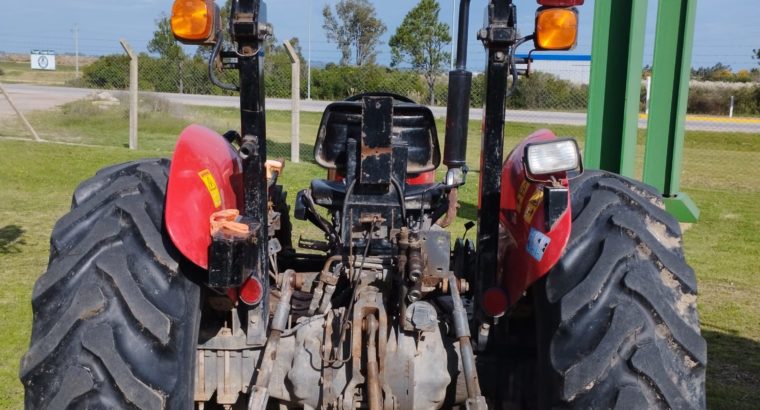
[
  {"x": 617, "y": 55},
  {"x": 671, "y": 71},
  {"x": 615, "y": 89}
]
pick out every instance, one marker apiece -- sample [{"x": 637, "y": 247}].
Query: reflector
[
  {"x": 552, "y": 157},
  {"x": 556, "y": 29},
  {"x": 494, "y": 302},
  {"x": 251, "y": 292},
  {"x": 192, "y": 20},
  {"x": 561, "y": 3}
]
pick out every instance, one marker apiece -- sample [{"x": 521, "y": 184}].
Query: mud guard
[
  {"x": 205, "y": 177},
  {"x": 527, "y": 249}
]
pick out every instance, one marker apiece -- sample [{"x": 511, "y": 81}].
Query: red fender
[
  {"x": 205, "y": 177},
  {"x": 522, "y": 212}
]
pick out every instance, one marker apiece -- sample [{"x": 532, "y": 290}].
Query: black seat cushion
[{"x": 413, "y": 126}]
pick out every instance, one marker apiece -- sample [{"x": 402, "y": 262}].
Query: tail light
[
  {"x": 494, "y": 302},
  {"x": 251, "y": 292}
]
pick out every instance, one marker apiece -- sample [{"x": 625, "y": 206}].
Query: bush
[
  {"x": 339, "y": 82},
  {"x": 716, "y": 100},
  {"x": 2, "y": 72},
  {"x": 547, "y": 92},
  {"x": 107, "y": 72}
]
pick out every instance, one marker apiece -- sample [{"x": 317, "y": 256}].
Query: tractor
[{"x": 177, "y": 284}]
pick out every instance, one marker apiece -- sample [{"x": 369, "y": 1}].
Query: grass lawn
[
  {"x": 15, "y": 72},
  {"x": 36, "y": 182}
]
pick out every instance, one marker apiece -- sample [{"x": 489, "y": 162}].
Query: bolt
[
  {"x": 414, "y": 295},
  {"x": 499, "y": 56}
]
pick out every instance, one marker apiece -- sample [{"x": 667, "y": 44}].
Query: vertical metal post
[
  {"x": 133, "y": 83},
  {"x": 649, "y": 94},
  {"x": 670, "y": 92},
  {"x": 453, "y": 36},
  {"x": 76, "y": 49},
  {"x": 616, "y": 60},
  {"x": 500, "y": 36},
  {"x": 308, "y": 82},
  {"x": 295, "y": 97}
]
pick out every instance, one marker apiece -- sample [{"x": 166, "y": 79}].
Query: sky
[{"x": 726, "y": 31}]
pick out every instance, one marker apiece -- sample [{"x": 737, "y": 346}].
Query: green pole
[
  {"x": 671, "y": 71},
  {"x": 617, "y": 56}
]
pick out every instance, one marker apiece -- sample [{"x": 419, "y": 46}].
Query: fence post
[
  {"x": 649, "y": 93},
  {"x": 133, "y": 83},
  {"x": 731, "y": 108},
  {"x": 20, "y": 115},
  {"x": 295, "y": 97}
]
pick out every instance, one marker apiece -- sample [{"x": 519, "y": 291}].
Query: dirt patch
[{"x": 660, "y": 231}]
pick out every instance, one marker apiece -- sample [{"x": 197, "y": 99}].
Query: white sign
[{"x": 43, "y": 60}]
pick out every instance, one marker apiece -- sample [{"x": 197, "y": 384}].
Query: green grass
[
  {"x": 23, "y": 73},
  {"x": 37, "y": 181}
]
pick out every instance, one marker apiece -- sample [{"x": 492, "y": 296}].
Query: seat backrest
[{"x": 413, "y": 125}]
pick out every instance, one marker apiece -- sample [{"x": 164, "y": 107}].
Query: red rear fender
[
  {"x": 527, "y": 249},
  {"x": 205, "y": 177}
]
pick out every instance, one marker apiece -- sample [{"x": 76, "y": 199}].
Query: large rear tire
[
  {"x": 617, "y": 319},
  {"x": 115, "y": 320}
]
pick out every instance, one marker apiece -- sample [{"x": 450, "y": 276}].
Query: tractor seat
[
  {"x": 413, "y": 127},
  {"x": 330, "y": 194}
]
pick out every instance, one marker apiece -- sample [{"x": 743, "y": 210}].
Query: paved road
[{"x": 33, "y": 97}]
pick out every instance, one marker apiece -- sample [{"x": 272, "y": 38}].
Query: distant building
[{"x": 571, "y": 67}]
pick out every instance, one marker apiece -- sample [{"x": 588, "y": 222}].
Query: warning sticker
[
  {"x": 213, "y": 189},
  {"x": 532, "y": 206},
  {"x": 521, "y": 193},
  {"x": 537, "y": 244}
]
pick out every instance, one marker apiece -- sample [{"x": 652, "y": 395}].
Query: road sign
[{"x": 42, "y": 60}]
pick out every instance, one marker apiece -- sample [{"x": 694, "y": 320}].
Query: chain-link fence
[{"x": 176, "y": 92}]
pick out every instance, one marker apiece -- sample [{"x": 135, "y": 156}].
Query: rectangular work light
[{"x": 547, "y": 158}]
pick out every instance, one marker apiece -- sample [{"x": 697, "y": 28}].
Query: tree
[
  {"x": 168, "y": 49},
  {"x": 756, "y": 55},
  {"x": 718, "y": 72},
  {"x": 163, "y": 42},
  {"x": 204, "y": 52},
  {"x": 356, "y": 28},
  {"x": 420, "y": 40}
]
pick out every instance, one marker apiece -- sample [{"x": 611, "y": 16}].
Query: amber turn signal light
[
  {"x": 561, "y": 3},
  {"x": 193, "y": 20},
  {"x": 556, "y": 29}
]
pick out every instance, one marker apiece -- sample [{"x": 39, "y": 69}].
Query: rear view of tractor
[{"x": 176, "y": 284}]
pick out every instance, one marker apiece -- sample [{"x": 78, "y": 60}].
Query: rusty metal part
[
  {"x": 259, "y": 392},
  {"x": 462, "y": 332},
  {"x": 373, "y": 370},
  {"x": 327, "y": 281},
  {"x": 369, "y": 302},
  {"x": 436, "y": 252},
  {"x": 451, "y": 213},
  {"x": 416, "y": 263},
  {"x": 462, "y": 285},
  {"x": 403, "y": 247}
]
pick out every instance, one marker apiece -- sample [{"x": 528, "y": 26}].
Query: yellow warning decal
[
  {"x": 521, "y": 193},
  {"x": 532, "y": 206},
  {"x": 213, "y": 189}
]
